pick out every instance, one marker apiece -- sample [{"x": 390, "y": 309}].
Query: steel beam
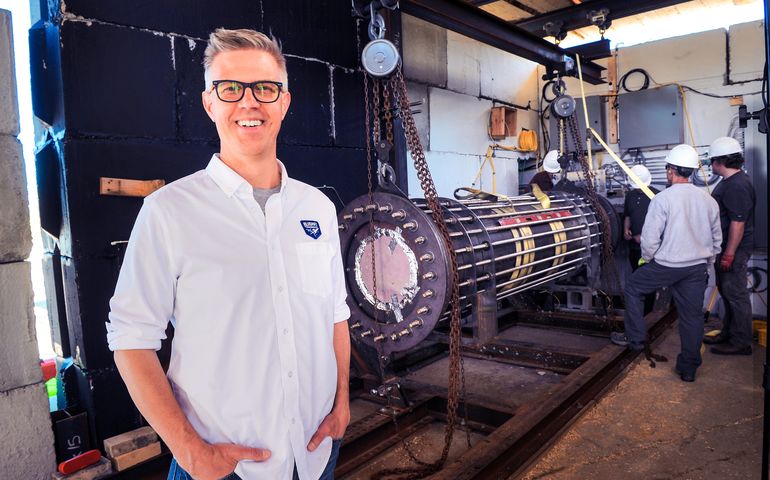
[
  {"x": 576, "y": 16},
  {"x": 484, "y": 27}
]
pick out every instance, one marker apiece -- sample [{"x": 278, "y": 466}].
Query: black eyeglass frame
[{"x": 250, "y": 86}]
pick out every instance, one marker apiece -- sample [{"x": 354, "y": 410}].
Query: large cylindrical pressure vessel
[{"x": 398, "y": 267}]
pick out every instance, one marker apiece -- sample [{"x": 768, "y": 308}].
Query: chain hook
[{"x": 376, "y": 24}]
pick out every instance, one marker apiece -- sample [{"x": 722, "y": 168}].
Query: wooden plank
[
  {"x": 129, "y": 441},
  {"x": 139, "y": 455},
  {"x": 612, "y": 81},
  {"x": 125, "y": 187},
  {"x": 101, "y": 469}
]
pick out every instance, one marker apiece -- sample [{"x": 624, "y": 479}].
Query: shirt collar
[{"x": 228, "y": 179}]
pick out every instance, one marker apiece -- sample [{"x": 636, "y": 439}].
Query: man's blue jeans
[{"x": 175, "y": 472}]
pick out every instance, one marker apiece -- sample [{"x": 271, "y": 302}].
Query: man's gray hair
[{"x": 225, "y": 40}]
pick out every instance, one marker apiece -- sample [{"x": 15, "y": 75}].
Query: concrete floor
[{"x": 653, "y": 426}]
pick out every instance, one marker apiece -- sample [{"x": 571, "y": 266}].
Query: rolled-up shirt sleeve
[{"x": 143, "y": 302}]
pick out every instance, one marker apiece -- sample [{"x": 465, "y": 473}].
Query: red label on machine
[{"x": 518, "y": 220}]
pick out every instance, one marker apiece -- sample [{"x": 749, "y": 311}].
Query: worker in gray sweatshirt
[{"x": 681, "y": 237}]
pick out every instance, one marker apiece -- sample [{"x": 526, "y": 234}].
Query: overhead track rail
[
  {"x": 579, "y": 16},
  {"x": 484, "y": 27}
]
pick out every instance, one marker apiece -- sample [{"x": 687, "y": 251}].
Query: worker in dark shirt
[
  {"x": 736, "y": 198},
  {"x": 544, "y": 179},
  {"x": 634, "y": 211}
]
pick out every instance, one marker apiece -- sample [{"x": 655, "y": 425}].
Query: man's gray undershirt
[{"x": 262, "y": 194}]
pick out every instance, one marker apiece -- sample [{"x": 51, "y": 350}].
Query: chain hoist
[
  {"x": 379, "y": 60},
  {"x": 564, "y": 108}
]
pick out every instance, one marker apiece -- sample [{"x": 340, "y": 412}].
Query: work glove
[
  {"x": 726, "y": 262},
  {"x": 642, "y": 262}
]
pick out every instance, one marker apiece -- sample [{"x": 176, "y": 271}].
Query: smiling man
[{"x": 245, "y": 262}]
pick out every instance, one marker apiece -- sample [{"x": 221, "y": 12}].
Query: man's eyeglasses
[{"x": 264, "y": 91}]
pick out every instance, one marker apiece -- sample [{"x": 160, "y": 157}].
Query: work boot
[
  {"x": 620, "y": 338},
  {"x": 685, "y": 376},
  {"x": 716, "y": 339},
  {"x": 731, "y": 350}
]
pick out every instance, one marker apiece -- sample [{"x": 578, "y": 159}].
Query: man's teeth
[{"x": 249, "y": 123}]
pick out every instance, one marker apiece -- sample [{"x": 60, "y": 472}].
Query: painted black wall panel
[
  {"x": 195, "y": 18},
  {"x": 84, "y": 280},
  {"x": 320, "y": 29},
  {"x": 112, "y": 412},
  {"x": 96, "y": 220},
  {"x": 45, "y": 74},
  {"x": 349, "y": 109},
  {"x": 49, "y": 188},
  {"x": 193, "y": 121},
  {"x": 117, "y": 81},
  {"x": 343, "y": 169},
  {"x": 103, "y": 395},
  {"x": 57, "y": 314},
  {"x": 309, "y": 119}
]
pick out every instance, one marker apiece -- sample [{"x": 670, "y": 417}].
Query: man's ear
[
  {"x": 206, "y": 99},
  {"x": 285, "y": 102}
]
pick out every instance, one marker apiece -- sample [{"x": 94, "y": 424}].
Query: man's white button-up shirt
[{"x": 253, "y": 298}]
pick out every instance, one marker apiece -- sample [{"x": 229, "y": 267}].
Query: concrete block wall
[
  {"x": 24, "y": 421},
  {"x": 701, "y": 61},
  {"x": 462, "y": 79}
]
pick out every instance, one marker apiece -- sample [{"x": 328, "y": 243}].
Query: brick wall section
[{"x": 27, "y": 436}]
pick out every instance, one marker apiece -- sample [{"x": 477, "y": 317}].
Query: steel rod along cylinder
[{"x": 397, "y": 263}]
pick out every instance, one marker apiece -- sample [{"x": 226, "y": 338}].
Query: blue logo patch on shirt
[{"x": 312, "y": 228}]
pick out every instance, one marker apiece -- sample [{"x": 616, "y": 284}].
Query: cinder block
[
  {"x": 194, "y": 124},
  {"x": 425, "y": 51},
  {"x": 187, "y": 17},
  {"x": 101, "y": 469},
  {"x": 9, "y": 104},
  {"x": 309, "y": 120},
  {"x": 136, "y": 457},
  {"x": 15, "y": 234},
  {"x": 126, "y": 442},
  {"x": 100, "y": 65},
  {"x": 27, "y": 435},
  {"x": 18, "y": 345},
  {"x": 348, "y": 114}
]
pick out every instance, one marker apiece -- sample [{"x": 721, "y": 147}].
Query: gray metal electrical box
[
  {"x": 597, "y": 117},
  {"x": 650, "y": 118}
]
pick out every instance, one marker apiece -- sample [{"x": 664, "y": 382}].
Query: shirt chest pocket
[{"x": 315, "y": 266}]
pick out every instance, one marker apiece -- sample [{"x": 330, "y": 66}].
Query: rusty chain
[
  {"x": 609, "y": 269},
  {"x": 431, "y": 196}
]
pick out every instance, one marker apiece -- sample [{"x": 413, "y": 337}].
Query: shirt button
[
  {"x": 293, "y": 421},
  {"x": 285, "y": 331},
  {"x": 280, "y": 289},
  {"x": 290, "y": 374}
]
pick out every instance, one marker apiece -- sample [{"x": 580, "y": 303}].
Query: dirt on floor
[{"x": 653, "y": 426}]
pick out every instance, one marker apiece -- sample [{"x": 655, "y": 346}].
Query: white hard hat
[
  {"x": 643, "y": 174},
  {"x": 724, "y": 146},
  {"x": 551, "y": 162},
  {"x": 683, "y": 156}
]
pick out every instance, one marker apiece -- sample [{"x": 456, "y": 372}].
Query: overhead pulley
[{"x": 379, "y": 57}]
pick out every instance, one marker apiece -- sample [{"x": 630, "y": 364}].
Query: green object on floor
[{"x": 50, "y": 386}]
